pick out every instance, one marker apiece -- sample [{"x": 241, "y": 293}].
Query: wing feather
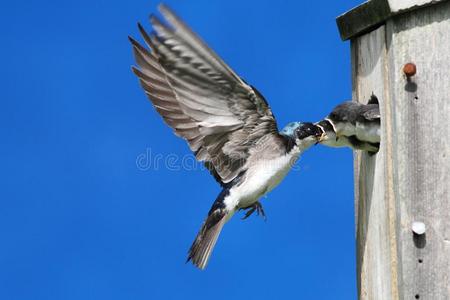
[{"x": 200, "y": 97}]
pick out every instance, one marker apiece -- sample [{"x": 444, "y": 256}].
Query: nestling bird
[
  {"x": 227, "y": 123},
  {"x": 354, "y": 125}
]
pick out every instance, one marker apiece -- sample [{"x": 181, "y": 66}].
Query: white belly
[{"x": 261, "y": 179}]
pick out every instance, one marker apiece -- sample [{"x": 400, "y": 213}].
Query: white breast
[
  {"x": 260, "y": 179},
  {"x": 368, "y": 132},
  {"x": 345, "y": 128}
]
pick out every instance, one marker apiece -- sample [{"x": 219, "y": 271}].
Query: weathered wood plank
[
  {"x": 377, "y": 276},
  {"x": 421, "y": 148},
  {"x": 363, "y": 18},
  {"x": 409, "y": 179},
  {"x": 408, "y": 5}
]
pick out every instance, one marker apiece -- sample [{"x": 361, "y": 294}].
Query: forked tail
[{"x": 206, "y": 239}]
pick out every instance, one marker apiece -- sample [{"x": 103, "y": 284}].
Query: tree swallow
[
  {"x": 354, "y": 125},
  {"x": 226, "y": 122}
]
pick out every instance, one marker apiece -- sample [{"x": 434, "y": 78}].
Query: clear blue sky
[{"x": 80, "y": 220}]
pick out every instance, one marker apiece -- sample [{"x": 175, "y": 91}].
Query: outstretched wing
[{"x": 200, "y": 97}]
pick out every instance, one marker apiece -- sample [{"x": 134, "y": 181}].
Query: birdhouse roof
[{"x": 373, "y": 13}]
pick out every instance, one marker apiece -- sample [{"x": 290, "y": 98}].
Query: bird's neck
[
  {"x": 294, "y": 146},
  {"x": 290, "y": 144}
]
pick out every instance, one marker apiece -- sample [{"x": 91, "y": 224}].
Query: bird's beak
[
  {"x": 322, "y": 138},
  {"x": 321, "y": 135}
]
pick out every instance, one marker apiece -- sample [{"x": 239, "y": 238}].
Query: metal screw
[{"x": 409, "y": 69}]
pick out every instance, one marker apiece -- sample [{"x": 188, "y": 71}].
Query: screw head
[{"x": 409, "y": 69}]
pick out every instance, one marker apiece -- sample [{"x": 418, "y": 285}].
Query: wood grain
[{"x": 409, "y": 179}]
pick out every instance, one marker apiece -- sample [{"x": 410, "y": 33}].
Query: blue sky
[{"x": 80, "y": 219}]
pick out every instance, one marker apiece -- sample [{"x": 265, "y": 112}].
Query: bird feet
[{"x": 255, "y": 207}]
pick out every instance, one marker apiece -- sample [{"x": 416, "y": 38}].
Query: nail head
[{"x": 409, "y": 69}]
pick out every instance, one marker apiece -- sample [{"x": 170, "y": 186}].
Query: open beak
[{"x": 320, "y": 135}]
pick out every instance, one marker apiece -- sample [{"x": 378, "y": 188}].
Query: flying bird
[
  {"x": 354, "y": 125},
  {"x": 226, "y": 122}
]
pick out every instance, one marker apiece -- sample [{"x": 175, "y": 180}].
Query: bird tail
[{"x": 206, "y": 239}]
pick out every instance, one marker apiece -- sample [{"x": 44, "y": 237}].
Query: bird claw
[{"x": 255, "y": 207}]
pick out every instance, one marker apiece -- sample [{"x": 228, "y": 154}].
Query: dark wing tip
[
  {"x": 146, "y": 37},
  {"x": 136, "y": 46},
  {"x": 188, "y": 259},
  {"x": 136, "y": 71},
  {"x": 141, "y": 28},
  {"x": 133, "y": 41}
]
